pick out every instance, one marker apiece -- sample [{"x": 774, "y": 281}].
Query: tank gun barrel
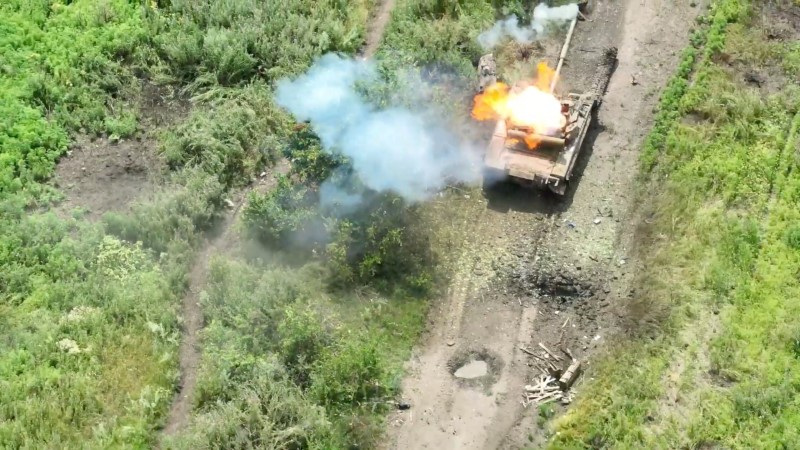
[{"x": 563, "y": 54}]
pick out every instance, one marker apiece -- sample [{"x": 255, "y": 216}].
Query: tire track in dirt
[
  {"x": 583, "y": 241},
  {"x": 376, "y": 27},
  {"x": 190, "y": 352},
  {"x": 478, "y": 315}
]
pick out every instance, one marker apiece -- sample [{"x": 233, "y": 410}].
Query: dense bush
[
  {"x": 427, "y": 32},
  {"x": 73, "y": 309},
  {"x": 272, "y": 330},
  {"x": 228, "y": 42},
  {"x": 383, "y": 245},
  {"x": 283, "y": 217},
  {"x": 303, "y": 338},
  {"x": 233, "y": 136},
  {"x": 350, "y": 373},
  {"x": 265, "y": 411},
  {"x": 63, "y": 69}
]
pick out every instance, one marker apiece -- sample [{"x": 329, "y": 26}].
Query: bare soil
[
  {"x": 376, "y": 27},
  {"x": 100, "y": 174},
  {"x": 537, "y": 269}
]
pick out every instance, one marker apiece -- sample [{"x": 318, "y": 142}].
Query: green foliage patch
[
  {"x": 64, "y": 68},
  {"x": 213, "y": 42},
  {"x": 88, "y": 340},
  {"x": 274, "y": 329},
  {"x": 90, "y": 310}
]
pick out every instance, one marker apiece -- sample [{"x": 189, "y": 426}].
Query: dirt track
[
  {"x": 191, "y": 311},
  {"x": 529, "y": 263}
]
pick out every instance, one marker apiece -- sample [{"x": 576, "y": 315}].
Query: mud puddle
[{"x": 473, "y": 369}]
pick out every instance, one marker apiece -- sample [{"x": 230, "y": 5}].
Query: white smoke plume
[
  {"x": 543, "y": 17},
  {"x": 391, "y": 150}
]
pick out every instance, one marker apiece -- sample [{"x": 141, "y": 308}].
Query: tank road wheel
[{"x": 560, "y": 189}]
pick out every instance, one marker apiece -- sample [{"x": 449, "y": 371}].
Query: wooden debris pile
[{"x": 555, "y": 380}]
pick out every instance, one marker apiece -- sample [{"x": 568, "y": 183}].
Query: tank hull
[{"x": 550, "y": 165}]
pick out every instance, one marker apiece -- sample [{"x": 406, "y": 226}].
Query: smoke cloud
[
  {"x": 543, "y": 16},
  {"x": 391, "y": 150}
]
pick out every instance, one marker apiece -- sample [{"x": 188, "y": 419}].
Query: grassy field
[
  {"x": 305, "y": 340},
  {"x": 90, "y": 309},
  {"x": 716, "y": 357},
  {"x": 89, "y": 325}
]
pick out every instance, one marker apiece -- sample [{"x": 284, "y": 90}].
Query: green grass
[
  {"x": 63, "y": 67},
  {"x": 87, "y": 348},
  {"x": 335, "y": 357},
  {"x": 88, "y": 341},
  {"x": 89, "y": 311},
  {"x": 718, "y": 296},
  {"x": 306, "y": 351}
]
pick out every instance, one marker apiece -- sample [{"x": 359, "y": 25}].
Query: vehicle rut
[{"x": 560, "y": 269}]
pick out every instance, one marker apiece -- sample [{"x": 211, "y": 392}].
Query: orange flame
[{"x": 528, "y": 105}]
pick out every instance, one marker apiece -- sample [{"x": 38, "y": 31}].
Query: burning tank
[{"x": 538, "y": 136}]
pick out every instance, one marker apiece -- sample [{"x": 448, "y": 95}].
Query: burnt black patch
[{"x": 562, "y": 287}]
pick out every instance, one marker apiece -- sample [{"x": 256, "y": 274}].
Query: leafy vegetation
[
  {"x": 720, "y": 279},
  {"x": 306, "y": 333},
  {"x": 213, "y": 42},
  {"x": 274, "y": 334},
  {"x": 90, "y": 310},
  {"x": 89, "y": 333},
  {"x": 64, "y": 68}
]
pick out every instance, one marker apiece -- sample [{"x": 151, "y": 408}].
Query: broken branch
[{"x": 556, "y": 357}]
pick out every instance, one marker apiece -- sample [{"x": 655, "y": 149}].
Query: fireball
[{"x": 529, "y": 105}]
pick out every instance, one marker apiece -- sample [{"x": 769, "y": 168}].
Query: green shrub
[
  {"x": 59, "y": 70},
  {"x": 233, "y": 138},
  {"x": 122, "y": 124},
  {"x": 793, "y": 237},
  {"x": 303, "y": 338},
  {"x": 310, "y": 163},
  {"x": 281, "y": 217},
  {"x": 234, "y": 40},
  {"x": 350, "y": 374},
  {"x": 427, "y": 32},
  {"x": 191, "y": 203},
  {"x": 267, "y": 411},
  {"x": 88, "y": 339}
]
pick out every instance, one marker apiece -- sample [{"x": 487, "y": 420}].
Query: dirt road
[{"x": 534, "y": 270}]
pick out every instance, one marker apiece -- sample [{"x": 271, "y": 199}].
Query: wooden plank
[{"x": 570, "y": 375}]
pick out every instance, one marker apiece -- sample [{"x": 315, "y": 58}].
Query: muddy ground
[
  {"x": 536, "y": 269},
  {"x": 100, "y": 174}
]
